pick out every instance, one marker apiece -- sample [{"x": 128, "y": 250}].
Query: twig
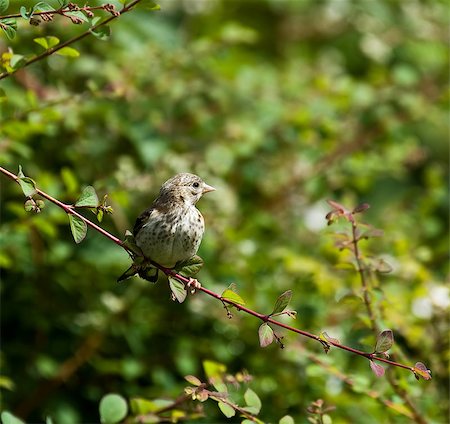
[
  {"x": 169, "y": 272},
  {"x": 54, "y": 49}
]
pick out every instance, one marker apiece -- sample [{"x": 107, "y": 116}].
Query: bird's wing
[{"x": 141, "y": 220}]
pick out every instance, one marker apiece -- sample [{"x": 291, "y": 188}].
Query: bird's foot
[{"x": 193, "y": 285}]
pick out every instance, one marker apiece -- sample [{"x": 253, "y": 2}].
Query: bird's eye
[{"x": 196, "y": 185}]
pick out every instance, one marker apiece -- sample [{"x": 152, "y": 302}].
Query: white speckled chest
[{"x": 170, "y": 237}]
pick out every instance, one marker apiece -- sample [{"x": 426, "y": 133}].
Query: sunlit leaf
[
  {"x": 226, "y": 409},
  {"x": 265, "y": 334},
  {"x": 287, "y": 419},
  {"x": 78, "y": 228},
  {"x": 88, "y": 198},
  {"x": 233, "y": 297},
  {"x": 252, "y": 400},
  {"x": 8, "y": 418},
  {"x": 113, "y": 408},
  {"x": 27, "y": 184},
  {"x": 178, "y": 289},
  {"x": 68, "y": 51},
  {"x": 213, "y": 369},
  {"x": 47, "y": 42}
]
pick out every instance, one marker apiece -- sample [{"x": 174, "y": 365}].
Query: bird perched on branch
[{"x": 171, "y": 229}]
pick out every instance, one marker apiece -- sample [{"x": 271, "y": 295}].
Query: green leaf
[
  {"x": 213, "y": 369},
  {"x": 8, "y": 418},
  {"x": 27, "y": 184},
  {"x": 100, "y": 215},
  {"x": 88, "y": 198},
  {"x": 48, "y": 420},
  {"x": 178, "y": 289},
  {"x": 326, "y": 419},
  {"x": 43, "y": 7},
  {"x": 190, "y": 267},
  {"x": 233, "y": 297},
  {"x": 252, "y": 400},
  {"x": 149, "y": 5},
  {"x": 102, "y": 33},
  {"x": 79, "y": 15},
  {"x": 113, "y": 408},
  {"x": 385, "y": 340},
  {"x": 68, "y": 51},
  {"x": 78, "y": 228},
  {"x": 4, "y": 4},
  {"x": 377, "y": 369},
  {"x": 17, "y": 61},
  {"x": 287, "y": 419},
  {"x": 23, "y": 12},
  {"x": 282, "y": 301},
  {"x": 9, "y": 27},
  {"x": 47, "y": 42},
  {"x": 265, "y": 334},
  {"x": 227, "y": 410},
  {"x": 140, "y": 406}
]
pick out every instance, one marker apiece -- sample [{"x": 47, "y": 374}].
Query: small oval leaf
[
  {"x": 377, "y": 369},
  {"x": 385, "y": 340},
  {"x": 282, "y": 301},
  {"x": 178, "y": 289},
  {"x": 78, "y": 228},
  {"x": 233, "y": 297},
  {"x": 252, "y": 399},
  {"x": 88, "y": 198},
  {"x": 227, "y": 410},
  {"x": 113, "y": 408},
  {"x": 265, "y": 334}
]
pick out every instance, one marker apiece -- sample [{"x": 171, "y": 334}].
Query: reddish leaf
[
  {"x": 377, "y": 369},
  {"x": 421, "y": 370},
  {"x": 336, "y": 206},
  {"x": 361, "y": 208}
]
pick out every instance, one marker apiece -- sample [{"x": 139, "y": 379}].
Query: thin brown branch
[
  {"x": 56, "y": 11},
  {"x": 54, "y": 49},
  {"x": 415, "y": 414},
  {"x": 169, "y": 272},
  {"x": 362, "y": 276}
]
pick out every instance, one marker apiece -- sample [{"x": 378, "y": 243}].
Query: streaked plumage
[{"x": 172, "y": 228}]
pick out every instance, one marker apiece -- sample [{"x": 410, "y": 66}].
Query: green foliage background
[{"x": 278, "y": 104}]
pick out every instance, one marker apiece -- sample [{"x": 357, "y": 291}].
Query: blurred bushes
[{"x": 280, "y": 105}]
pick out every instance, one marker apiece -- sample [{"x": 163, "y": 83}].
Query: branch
[
  {"x": 169, "y": 272},
  {"x": 54, "y": 49}
]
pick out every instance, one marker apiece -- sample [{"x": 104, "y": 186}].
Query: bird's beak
[{"x": 207, "y": 188}]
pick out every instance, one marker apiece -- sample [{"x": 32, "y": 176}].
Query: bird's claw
[{"x": 193, "y": 285}]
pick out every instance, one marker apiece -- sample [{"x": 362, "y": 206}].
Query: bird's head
[{"x": 188, "y": 188}]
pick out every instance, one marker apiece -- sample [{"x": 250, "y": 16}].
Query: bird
[{"x": 171, "y": 229}]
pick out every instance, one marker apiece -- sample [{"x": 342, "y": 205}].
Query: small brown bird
[{"x": 171, "y": 229}]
